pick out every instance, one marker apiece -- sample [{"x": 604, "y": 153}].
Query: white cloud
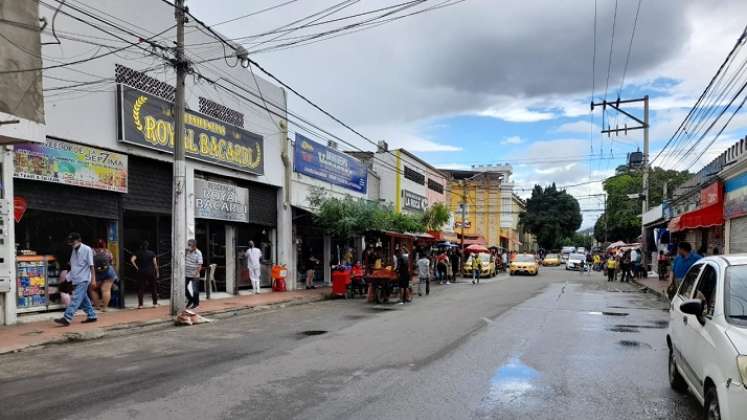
[
  {"x": 518, "y": 115},
  {"x": 579, "y": 126},
  {"x": 512, "y": 140}
]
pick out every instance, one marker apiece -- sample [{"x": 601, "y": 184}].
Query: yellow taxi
[
  {"x": 524, "y": 263},
  {"x": 551, "y": 260}
]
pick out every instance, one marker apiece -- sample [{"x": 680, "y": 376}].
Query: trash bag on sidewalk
[{"x": 187, "y": 317}]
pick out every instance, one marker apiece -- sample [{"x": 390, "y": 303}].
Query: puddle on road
[
  {"x": 310, "y": 333},
  {"x": 606, "y": 313},
  {"x": 623, "y": 329},
  {"x": 510, "y": 382},
  {"x": 632, "y": 344}
]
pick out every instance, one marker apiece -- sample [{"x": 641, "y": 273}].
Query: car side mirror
[{"x": 693, "y": 307}]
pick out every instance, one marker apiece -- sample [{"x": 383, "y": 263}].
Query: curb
[
  {"x": 660, "y": 294},
  {"x": 119, "y": 330}
]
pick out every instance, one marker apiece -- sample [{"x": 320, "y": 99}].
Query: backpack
[{"x": 100, "y": 261}]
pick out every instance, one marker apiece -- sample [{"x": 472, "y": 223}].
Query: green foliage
[
  {"x": 551, "y": 215},
  {"x": 345, "y": 217},
  {"x": 435, "y": 217},
  {"x": 577, "y": 240},
  {"x": 623, "y": 215}
]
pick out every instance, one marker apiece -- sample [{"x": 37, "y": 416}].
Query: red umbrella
[{"x": 476, "y": 248}]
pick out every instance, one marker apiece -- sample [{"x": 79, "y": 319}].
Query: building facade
[
  {"x": 105, "y": 169},
  {"x": 481, "y": 200}
]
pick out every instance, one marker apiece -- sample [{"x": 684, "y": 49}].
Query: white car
[
  {"x": 707, "y": 336},
  {"x": 575, "y": 262}
]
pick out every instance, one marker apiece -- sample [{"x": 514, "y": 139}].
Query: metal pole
[
  {"x": 644, "y": 205},
  {"x": 179, "y": 210},
  {"x": 464, "y": 212}
]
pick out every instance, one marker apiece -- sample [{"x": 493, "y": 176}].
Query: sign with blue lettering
[{"x": 321, "y": 162}]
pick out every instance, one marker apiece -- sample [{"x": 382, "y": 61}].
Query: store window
[
  {"x": 414, "y": 176},
  {"x": 435, "y": 186}
]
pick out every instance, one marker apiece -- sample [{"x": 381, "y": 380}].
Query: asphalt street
[{"x": 556, "y": 346}]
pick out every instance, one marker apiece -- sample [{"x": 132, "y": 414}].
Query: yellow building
[{"x": 481, "y": 202}]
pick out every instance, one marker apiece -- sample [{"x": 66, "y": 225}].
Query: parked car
[
  {"x": 575, "y": 262},
  {"x": 707, "y": 336},
  {"x": 565, "y": 252},
  {"x": 488, "y": 265},
  {"x": 524, "y": 263},
  {"x": 551, "y": 260}
]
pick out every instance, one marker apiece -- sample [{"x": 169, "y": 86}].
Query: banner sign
[
  {"x": 414, "y": 201},
  {"x": 216, "y": 200},
  {"x": 735, "y": 203},
  {"x": 71, "y": 164},
  {"x": 321, "y": 162},
  {"x": 711, "y": 195},
  {"x": 148, "y": 121}
]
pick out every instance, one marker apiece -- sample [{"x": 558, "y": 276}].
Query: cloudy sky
[{"x": 488, "y": 81}]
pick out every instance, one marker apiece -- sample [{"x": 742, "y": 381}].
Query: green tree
[
  {"x": 551, "y": 215},
  {"x": 622, "y": 218},
  {"x": 345, "y": 217},
  {"x": 435, "y": 217}
]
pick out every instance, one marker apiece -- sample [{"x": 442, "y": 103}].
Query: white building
[{"x": 106, "y": 168}]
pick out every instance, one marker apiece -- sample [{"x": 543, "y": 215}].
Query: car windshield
[
  {"x": 578, "y": 257},
  {"x": 524, "y": 258},
  {"x": 736, "y": 278},
  {"x": 551, "y": 256}
]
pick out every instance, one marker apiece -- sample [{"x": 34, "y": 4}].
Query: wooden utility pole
[
  {"x": 643, "y": 124},
  {"x": 179, "y": 205}
]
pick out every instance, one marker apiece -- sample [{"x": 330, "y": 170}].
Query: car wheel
[
  {"x": 676, "y": 381},
  {"x": 712, "y": 410}
]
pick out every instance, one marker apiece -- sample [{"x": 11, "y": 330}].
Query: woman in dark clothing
[
  {"x": 146, "y": 264},
  {"x": 627, "y": 266}
]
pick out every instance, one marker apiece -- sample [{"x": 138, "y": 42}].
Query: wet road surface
[{"x": 555, "y": 346}]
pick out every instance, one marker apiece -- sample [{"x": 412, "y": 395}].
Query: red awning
[{"x": 702, "y": 218}]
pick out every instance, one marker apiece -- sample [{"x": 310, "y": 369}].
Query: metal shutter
[
  {"x": 149, "y": 186},
  {"x": 60, "y": 198},
  {"x": 738, "y": 235}
]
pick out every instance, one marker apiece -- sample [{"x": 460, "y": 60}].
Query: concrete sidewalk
[
  {"x": 22, "y": 336},
  {"x": 654, "y": 285}
]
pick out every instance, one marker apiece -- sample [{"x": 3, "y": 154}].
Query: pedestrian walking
[
  {"x": 424, "y": 275},
  {"x": 403, "y": 272},
  {"x": 611, "y": 268},
  {"x": 146, "y": 264},
  {"x": 663, "y": 266},
  {"x": 254, "y": 264},
  {"x": 193, "y": 266},
  {"x": 442, "y": 261},
  {"x": 454, "y": 259},
  {"x": 311, "y": 263},
  {"x": 626, "y": 266},
  {"x": 106, "y": 276},
  {"x": 504, "y": 261},
  {"x": 476, "y": 268},
  {"x": 682, "y": 263},
  {"x": 81, "y": 275}
]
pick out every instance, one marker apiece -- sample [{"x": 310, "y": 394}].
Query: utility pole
[
  {"x": 179, "y": 210},
  {"x": 464, "y": 211},
  {"x": 643, "y": 124}
]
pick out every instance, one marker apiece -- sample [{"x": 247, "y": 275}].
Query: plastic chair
[{"x": 209, "y": 280}]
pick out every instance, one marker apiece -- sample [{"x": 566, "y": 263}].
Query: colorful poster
[
  {"x": 71, "y": 164},
  {"x": 735, "y": 203},
  {"x": 321, "y": 162}
]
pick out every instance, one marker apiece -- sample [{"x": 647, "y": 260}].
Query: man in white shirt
[
  {"x": 424, "y": 274},
  {"x": 253, "y": 263}
]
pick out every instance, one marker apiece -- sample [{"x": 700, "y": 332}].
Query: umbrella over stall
[{"x": 476, "y": 248}]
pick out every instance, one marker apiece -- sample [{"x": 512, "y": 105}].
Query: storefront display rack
[{"x": 37, "y": 279}]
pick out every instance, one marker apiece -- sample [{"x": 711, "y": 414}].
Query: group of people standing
[
  {"x": 626, "y": 264},
  {"x": 90, "y": 276}
]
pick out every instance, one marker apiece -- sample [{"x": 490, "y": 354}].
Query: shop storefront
[
  {"x": 61, "y": 187},
  {"x": 735, "y": 213},
  {"x": 229, "y": 214},
  {"x": 337, "y": 174},
  {"x": 703, "y": 227}
]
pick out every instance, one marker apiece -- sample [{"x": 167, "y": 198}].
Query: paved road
[{"x": 555, "y": 346}]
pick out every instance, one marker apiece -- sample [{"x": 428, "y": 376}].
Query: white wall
[{"x": 88, "y": 114}]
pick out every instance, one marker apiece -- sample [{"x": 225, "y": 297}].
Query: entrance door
[{"x": 211, "y": 240}]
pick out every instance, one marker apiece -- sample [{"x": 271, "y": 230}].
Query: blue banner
[{"x": 321, "y": 162}]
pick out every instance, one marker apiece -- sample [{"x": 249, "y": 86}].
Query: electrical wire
[
  {"x": 737, "y": 45},
  {"x": 266, "y": 9},
  {"x": 630, "y": 49}
]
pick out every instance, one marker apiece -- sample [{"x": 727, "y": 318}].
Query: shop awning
[{"x": 712, "y": 215}]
